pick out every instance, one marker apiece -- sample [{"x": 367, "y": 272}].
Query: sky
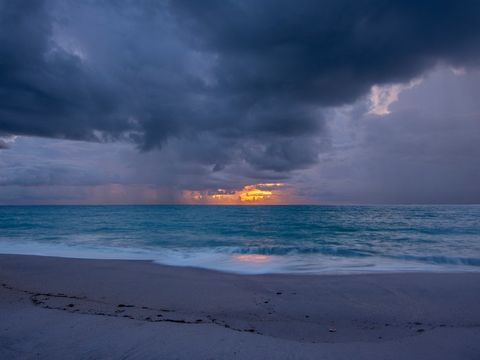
[{"x": 239, "y": 102}]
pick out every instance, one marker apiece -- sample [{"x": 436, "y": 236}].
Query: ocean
[{"x": 254, "y": 239}]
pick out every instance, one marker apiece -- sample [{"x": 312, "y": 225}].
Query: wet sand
[{"x": 57, "y": 308}]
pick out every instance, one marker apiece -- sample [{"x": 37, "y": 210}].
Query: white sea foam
[{"x": 227, "y": 260}]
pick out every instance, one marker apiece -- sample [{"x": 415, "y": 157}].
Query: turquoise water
[{"x": 254, "y": 239}]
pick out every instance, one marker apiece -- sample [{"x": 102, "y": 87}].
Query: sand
[{"x": 57, "y": 308}]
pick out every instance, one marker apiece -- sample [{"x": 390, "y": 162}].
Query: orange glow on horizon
[
  {"x": 262, "y": 193},
  {"x": 252, "y": 193}
]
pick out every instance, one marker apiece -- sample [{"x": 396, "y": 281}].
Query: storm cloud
[{"x": 231, "y": 88}]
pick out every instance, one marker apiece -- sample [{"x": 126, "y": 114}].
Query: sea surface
[{"x": 254, "y": 239}]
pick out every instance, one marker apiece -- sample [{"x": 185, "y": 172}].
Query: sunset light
[
  {"x": 252, "y": 258},
  {"x": 262, "y": 193}
]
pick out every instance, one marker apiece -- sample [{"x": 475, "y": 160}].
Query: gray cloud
[
  {"x": 266, "y": 62},
  {"x": 228, "y": 90},
  {"x": 326, "y": 52},
  {"x": 426, "y": 151}
]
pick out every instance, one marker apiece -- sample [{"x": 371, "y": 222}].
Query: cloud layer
[{"x": 225, "y": 89}]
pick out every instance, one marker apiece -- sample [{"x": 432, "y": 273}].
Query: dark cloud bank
[{"x": 227, "y": 82}]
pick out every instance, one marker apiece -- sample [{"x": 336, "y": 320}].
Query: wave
[
  {"x": 447, "y": 260},
  {"x": 294, "y": 250},
  {"x": 255, "y": 260}
]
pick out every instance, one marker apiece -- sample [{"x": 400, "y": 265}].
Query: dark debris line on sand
[
  {"x": 79, "y": 305},
  {"x": 140, "y": 313}
]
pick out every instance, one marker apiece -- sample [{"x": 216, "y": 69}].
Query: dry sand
[{"x": 56, "y": 308}]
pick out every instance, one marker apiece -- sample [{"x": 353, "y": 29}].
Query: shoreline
[
  {"x": 331, "y": 273},
  {"x": 54, "y": 307},
  {"x": 240, "y": 264}
]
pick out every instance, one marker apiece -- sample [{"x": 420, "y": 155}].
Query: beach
[{"x": 64, "y": 308}]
